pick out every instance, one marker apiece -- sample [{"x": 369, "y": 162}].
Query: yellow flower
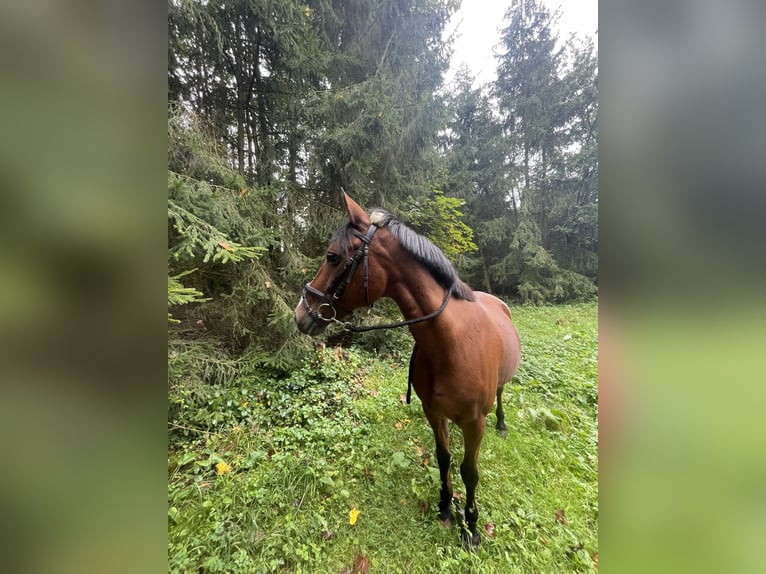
[
  {"x": 222, "y": 468},
  {"x": 353, "y": 515}
]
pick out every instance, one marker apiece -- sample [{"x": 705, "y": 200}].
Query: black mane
[{"x": 421, "y": 248}]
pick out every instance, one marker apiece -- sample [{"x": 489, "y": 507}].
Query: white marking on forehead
[{"x": 377, "y": 216}]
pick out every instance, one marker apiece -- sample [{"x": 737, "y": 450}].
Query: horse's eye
[{"x": 333, "y": 258}]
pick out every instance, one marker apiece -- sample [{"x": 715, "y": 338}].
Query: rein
[
  {"x": 365, "y": 328},
  {"x": 339, "y": 284}
]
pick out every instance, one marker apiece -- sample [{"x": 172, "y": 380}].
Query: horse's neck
[{"x": 417, "y": 294}]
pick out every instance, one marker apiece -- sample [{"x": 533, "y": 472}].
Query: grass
[{"x": 267, "y": 481}]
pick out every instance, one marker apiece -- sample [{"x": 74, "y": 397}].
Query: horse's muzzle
[{"x": 306, "y": 323}]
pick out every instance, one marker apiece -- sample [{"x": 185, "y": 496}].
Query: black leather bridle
[{"x": 341, "y": 281}]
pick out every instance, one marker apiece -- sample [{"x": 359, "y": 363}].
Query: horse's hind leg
[
  {"x": 441, "y": 437},
  {"x": 500, "y": 426},
  {"x": 473, "y": 432}
]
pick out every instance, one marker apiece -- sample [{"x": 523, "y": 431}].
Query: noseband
[{"x": 341, "y": 281}]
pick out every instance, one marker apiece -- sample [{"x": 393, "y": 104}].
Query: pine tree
[
  {"x": 574, "y": 231},
  {"x": 474, "y": 155},
  {"x": 380, "y": 111},
  {"x": 538, "y": 115},
  {"x": 219, "y": 242}
]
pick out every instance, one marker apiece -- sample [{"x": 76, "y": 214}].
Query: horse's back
[{"x": 508, "y": 337}]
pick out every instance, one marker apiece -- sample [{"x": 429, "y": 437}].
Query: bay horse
[{"x": 466, "y": 345}]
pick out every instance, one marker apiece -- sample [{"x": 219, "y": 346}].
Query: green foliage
[
  {"x": 302, "y": 450},
  {"x": 241, "y": 393},
  {"x": 475, "y": 158},
  {"x": 438, "y": 218},
  {"x": 528, "y": 166},
  {"x": 298, "y": 426},
  {"x": 180, "y": 295},
  {"x": 395, "y": 344},
  {"x": 540, "y": 279},
  {"x": 380, "y": 120},
  {"x": 228, "y": 233},
  {"x": 206, "y": 219},
  {"x": 198, "y": 237}
]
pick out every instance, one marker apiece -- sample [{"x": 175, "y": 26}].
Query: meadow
[{"x": 328, "y": 470}]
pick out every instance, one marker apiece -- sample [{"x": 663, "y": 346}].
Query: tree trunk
[
  {"x": 263, "y": 163},
  {"x": 241, "y": 98},
  {"x": 485, "y": 272},
  {"x": 543, "y": 220},
  {"x": 250, "y": 147},
  {"x": 292, "y": 148},
  {"x": 241, "y": 118}
]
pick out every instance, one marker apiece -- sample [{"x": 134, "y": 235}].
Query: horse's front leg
[
  {"x": 440, "y": 427},
  {"x": 473, "y": 432}
]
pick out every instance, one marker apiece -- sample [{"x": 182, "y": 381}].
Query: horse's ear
[{"x": 356, "y": 214}]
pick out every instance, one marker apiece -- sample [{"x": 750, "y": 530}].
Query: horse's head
[{"x": 348, "y": 277}]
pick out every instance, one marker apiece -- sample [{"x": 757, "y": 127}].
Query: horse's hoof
[
  {"x": 446, "y": 522},
  {"x": 503, "y": 433},
  {"x": 471, "y": 542}
]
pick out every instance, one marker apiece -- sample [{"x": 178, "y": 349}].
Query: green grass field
[{"x": 264, "y": 474}]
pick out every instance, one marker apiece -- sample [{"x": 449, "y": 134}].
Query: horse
[{"x": 466, "y": 345}]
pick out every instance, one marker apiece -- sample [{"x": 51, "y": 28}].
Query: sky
[{"x": 478, "y": 23}]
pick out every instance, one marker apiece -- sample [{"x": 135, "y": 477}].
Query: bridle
[{"x": 341, "y": 281}]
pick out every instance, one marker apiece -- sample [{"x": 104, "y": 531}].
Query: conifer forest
[{"x": 275, "y": 106}]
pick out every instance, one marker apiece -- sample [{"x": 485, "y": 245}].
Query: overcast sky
[{"x": 478, "y": 23}]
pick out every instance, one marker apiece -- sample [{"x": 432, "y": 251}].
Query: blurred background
[
  {"x": 681, "y": 287},
  {"x": 82, "y": 258}
]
